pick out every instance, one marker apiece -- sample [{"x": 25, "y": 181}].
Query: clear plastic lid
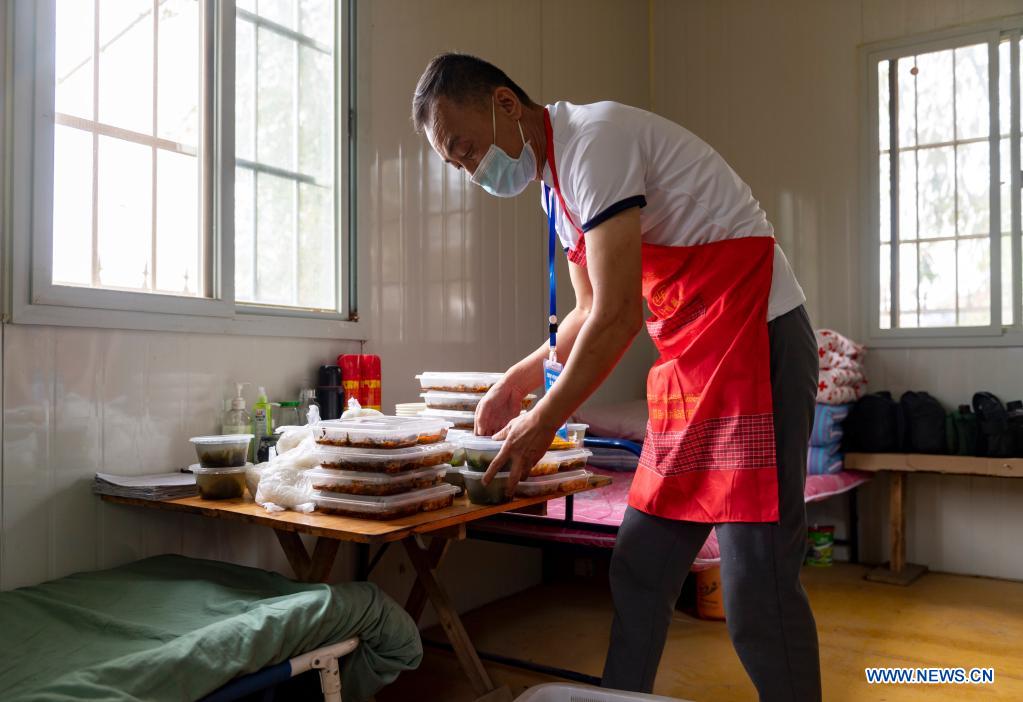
[
  {"x": 378, "y": 458},
  {"x": 576, "y": 426},
  {"x": 221, "y": 439},
  {"x": 431, "y": 395},
  {"x": 471, "y": 474},
  {"x": 379, "y": 431},
  {"x": 481, "y": 443},
  {"x": 460, "y": 419},
  {"x": 458, "y": 381},
  {"x": 347, "y": 477},
  {"x": 373, "y": 505},
  {"x": 457, "y": 436},
  {"x": 546, "y": 484},
  {"x": 563, "y": 458}
]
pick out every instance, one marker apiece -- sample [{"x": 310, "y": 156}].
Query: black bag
[
  {"x": 925, "y": 423},
  {"x": 1016, "y": 426},
  {"x": 995, "y": 439},
  {"x": 874, "y": 425}
]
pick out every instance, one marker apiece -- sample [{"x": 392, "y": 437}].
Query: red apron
[{"x": 709, "y": 452}]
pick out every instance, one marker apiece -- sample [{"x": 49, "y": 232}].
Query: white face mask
[{"x": 500, "y": 174}]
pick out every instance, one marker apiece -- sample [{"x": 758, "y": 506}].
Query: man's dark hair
[{"x": 461, "y": 78}]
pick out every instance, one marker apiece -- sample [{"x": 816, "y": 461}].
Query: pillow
[{"x": 619, "y": 420}]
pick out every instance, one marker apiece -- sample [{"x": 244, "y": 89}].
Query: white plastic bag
[
  {"x": 291, "y": 437},
  {"x": 356, "y": 410},
  {"x": 283, "y": 483}
]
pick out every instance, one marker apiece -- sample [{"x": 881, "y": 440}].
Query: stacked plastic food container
[
  {"x": 382, "y": 467},
  {"x": 454, "y": 397}
]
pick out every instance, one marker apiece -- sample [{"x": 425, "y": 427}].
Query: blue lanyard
[{"x": 552, "y": 236}]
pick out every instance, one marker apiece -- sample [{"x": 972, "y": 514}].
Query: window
[
  {"x": 944, "y": 155},
  {"x": 189, "y": 158},
  {"x": 126, "y": 146},
  {"x": 285, "y": 246}
]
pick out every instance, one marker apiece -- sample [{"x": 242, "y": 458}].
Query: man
[{"x": 646, "y": 210}]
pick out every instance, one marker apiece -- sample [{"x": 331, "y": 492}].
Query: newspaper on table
[{"x": 158, "y": 486}]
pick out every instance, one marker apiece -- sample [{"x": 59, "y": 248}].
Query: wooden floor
[{"x": 941, "y": 620}]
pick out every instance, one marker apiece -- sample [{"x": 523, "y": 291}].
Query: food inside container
[
  {"x": 380, "y": 432},
  {"x": 572, "y": 459},
  {"x": 458, "y": 381},
  {"x": 550, "y": 484},
  {"x": 220, "y": 483},
  {"x": 480, "y": 451},
  {"x": 223, "y": 451},
  {"x": 385, "y": 460},
  {"x": 480, "y": 494},
  {"x": 462, "y": 401},
  {"x": 458, "y": 419},
  {"x": 361, "y": 483},
  {"x": 387, "y": 507},
  {"x": 455, "y": 437}
]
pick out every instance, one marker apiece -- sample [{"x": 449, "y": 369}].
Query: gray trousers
[{"x": 767, "y": 612}]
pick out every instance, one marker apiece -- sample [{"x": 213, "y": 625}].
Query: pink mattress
[{"x": 607, "y": 507}]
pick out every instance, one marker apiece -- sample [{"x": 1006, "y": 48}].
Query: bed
[{"x": 177, "y": 628}]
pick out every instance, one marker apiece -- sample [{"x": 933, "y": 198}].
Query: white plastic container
[
  {"x": 458, "y": 381},
  {"x": 577, "y": 432},
  {"x": 480, "y": 494},
  {"x": 462, "y": 401},
  {"x": 380, "y": 432},
  {"x": 553, "y": 483},
  {"x": 458, "y": 419},
  {"x": 568, "y": 692},
  {"x": 351, "y": 482},
  {"x": 222, "y": 483},
  {"x": 558, "y": 461},
  {"x": 480, "y": 451},
  {"x": 390, "y": 507},
  {"x": 223, "y": 451},
  {"x": 385, "y": 460}
]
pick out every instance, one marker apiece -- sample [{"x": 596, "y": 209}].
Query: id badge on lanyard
[{"x": 551, "y": 368}]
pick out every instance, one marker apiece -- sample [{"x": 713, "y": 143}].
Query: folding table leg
[
  {"x": 449, "y": 619},
  {"x": 315, "y": 569},
  {"x": 295, "y": 552},
  {"x": 417, "y": 598}
]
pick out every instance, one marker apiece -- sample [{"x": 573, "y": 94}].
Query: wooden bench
[{"x": 897, "y": 571}]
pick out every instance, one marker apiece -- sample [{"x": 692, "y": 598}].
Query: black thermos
[{"x": 329, "y": 392}]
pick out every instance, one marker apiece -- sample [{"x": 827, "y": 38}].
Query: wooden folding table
[{"x": 442, "y": 526}]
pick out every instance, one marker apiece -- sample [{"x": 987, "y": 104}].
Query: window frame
[
  {"x": 32, "y": 298},
  {"x": 995, "y": 333}
]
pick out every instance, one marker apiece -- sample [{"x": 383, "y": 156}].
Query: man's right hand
[{"x": 501, "y": 404}]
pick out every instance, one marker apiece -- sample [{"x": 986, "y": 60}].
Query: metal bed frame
[{"x": 323, "y": 659}]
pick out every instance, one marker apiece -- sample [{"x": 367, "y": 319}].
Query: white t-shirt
[{"x": 611, "y": 157}]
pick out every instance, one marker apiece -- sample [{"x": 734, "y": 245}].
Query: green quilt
[{"x": 176, "y": 628}]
